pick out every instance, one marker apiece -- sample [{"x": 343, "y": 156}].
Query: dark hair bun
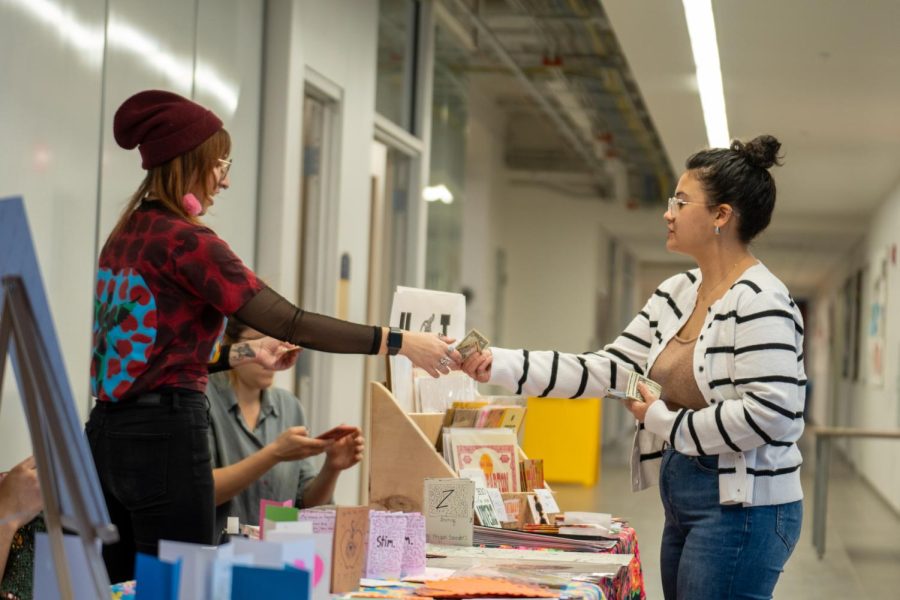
[{"x": 761, "y": 151}]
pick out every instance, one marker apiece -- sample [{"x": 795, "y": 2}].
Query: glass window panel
[
  {"x": 396, "y": 225},
  {"x": 395, "y": 87},
  {"x": 449, "y": 116}
]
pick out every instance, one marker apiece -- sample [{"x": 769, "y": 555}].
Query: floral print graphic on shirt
[{"x": 124, "y": 332}]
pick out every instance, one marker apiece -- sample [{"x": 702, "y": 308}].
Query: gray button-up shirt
[{"x": 230, "y": 441}]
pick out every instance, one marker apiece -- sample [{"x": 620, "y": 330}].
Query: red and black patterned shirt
[{"x": 164, "y": 286}]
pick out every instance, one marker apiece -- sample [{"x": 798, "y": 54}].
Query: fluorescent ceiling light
[
  {"x": 702, "y": 29},
  {"x": 433, "y": 193}
]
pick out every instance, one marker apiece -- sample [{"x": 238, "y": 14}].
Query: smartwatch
[{"x": 394, "y": 340}]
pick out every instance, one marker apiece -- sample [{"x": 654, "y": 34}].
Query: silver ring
[{"x": 444, "y": 361}]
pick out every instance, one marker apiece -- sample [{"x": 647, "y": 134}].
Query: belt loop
[{"x": 176, "y": 405}]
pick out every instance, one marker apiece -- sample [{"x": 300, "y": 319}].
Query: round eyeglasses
[{"x": 224, "y": 166}]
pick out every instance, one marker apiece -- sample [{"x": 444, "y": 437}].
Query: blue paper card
[
  {"x": 251, "y": 583},
  {"x": 156, "y": 579}
]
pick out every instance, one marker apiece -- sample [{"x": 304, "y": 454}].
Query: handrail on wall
[{"x": 824, "y": 438}]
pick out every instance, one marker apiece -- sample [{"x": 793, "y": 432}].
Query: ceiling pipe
[{"x": 596, "y": 166}]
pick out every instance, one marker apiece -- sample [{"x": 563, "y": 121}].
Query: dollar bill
[
  {"x": 631, "y": 390},
  {"x": 473, "y": 342}
]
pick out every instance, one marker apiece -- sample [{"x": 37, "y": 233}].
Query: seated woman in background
[
  {"x": 20, "y": 504},
  {"x": 260, "y": 445}
]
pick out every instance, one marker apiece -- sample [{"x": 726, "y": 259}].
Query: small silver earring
[{"x": 717, "y": 230}]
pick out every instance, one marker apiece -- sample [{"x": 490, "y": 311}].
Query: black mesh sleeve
[{"x": 269, "y": 313}]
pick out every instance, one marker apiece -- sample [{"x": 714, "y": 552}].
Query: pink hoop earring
[{"x": 191, "y": 205}]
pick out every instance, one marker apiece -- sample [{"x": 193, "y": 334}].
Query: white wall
[
  {"x": 339, "y": 43},
  {"x": 864, "y": 403},
  {"x": 83, "y": 58},
  {"x": 556, "y": 265},
  {"x": 49, "y": 155}
]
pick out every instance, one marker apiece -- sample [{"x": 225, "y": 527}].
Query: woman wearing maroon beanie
[{"x": 165, "y": 284}]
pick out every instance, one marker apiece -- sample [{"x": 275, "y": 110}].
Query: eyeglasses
[
  {"x": 225, "y": 166},
  {"x": 675, "y": 205}
]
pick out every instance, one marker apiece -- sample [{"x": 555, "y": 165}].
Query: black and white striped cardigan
[{"x": 748, "y": 364}]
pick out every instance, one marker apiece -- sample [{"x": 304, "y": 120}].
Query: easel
[{"x": 69, "y": 484}]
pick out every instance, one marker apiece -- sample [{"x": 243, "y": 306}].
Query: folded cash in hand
[
  {"x": 473, "y": 342},
  {"x": 634, "y": 379}
]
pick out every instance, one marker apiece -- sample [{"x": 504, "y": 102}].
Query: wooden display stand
[{"x": 402, "y": 455}]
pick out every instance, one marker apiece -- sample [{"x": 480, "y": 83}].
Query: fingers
[
  {"x": 637, "y": 408},
  {"x": 289, "y": 359},
  {"x": 478, "y": 366},
  {"x": 642, "y": 390},
  {"x": 647, "y": 395},
  {"x": 355, "y": 442},
  {"x": 483, "y": 372},
  {"x": 629, "y": 404}
]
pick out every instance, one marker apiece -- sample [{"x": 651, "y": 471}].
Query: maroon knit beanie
[{"x": 164, "y": 125}]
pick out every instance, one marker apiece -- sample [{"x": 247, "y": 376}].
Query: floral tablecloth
[{"x": 629, "y": 584}]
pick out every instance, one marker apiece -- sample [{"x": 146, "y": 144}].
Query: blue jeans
[{"x": 712, "y": 551}]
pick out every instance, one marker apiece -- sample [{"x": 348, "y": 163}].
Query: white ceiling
[{"x": 821, "y": 75}]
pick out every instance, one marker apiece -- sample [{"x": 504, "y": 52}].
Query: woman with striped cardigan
[{"x": 725, "y": 342}]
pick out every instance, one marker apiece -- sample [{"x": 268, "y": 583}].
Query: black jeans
[{"x": 153, "y": 460}]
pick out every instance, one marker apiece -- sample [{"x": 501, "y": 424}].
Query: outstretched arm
[
  {"x": 562, "y": 375},
  {"x": 273, "y": 315}
]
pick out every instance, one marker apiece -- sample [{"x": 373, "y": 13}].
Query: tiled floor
[{"x": 862, "y": 558}]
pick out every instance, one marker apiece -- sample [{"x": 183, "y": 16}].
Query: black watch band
[{"x": 394, "y": 340}]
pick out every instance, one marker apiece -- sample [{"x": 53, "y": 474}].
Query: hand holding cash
[
  {"x": 473, "y": 342},
  {"x": 639, "y": 393},
  {"x": 477, "y": 360}
]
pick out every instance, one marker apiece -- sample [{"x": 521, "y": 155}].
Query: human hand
[
  {"x": 345, "y": 452},
  {"x": 639, "y": 408},
  {"x": 478, "y": 366},
  {"x": 294, "y": 443},
  {"x": 430, "y": 352},
  {"x": 20, "y": 494},
  {"x": 276, "y": 355}
]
